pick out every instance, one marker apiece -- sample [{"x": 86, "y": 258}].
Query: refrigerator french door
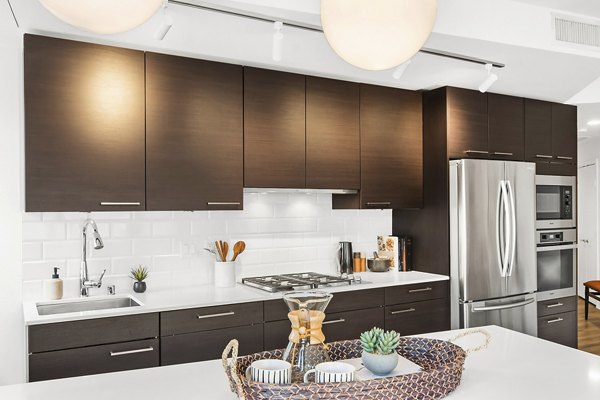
[{"x": 492, "y": 239}]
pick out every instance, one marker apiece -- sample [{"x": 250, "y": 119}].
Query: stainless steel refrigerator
[{"x": 492, "y": 244}]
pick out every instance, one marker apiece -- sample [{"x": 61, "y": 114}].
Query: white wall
[
  {"x": 284, "y": 233},
  {"x": 12, "y": 351},
  {"x": 588, "y": 150}
]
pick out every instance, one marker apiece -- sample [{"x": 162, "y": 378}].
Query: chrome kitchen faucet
[{"x": 84, "y": 283}]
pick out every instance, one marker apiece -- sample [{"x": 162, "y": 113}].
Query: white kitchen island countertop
[
  {"x": 178, "y": 298},
  {"x": 513, "y": 367}
]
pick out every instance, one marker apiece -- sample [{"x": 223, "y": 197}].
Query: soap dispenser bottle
[{"x": 53, "y": 288}]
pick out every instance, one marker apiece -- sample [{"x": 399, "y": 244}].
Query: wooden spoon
[
  {"x": 225, "y": 248},
  {"x": 238, "y": 248},
  {"x": 219, "y": 250}
]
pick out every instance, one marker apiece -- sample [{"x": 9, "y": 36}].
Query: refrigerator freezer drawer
[{"x": 518, "y": 313}]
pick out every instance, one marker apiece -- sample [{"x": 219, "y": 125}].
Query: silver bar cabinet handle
[
  {"x": 402, "y": 311},
  {"x": 225, "y": 314},
  {"x": 501, "y": 153},
  {"x": 564, "y": 158},
  {"x": 477, "y": 152},
  {"x": 542, "y": 156},
  {"x": 378, "y": 203},
  {"x": 120, "y": 203},
  {"x": 223, "y": 203},
  {"x": 335, "y": 321},
  {"x": 554, "y": 320},
  {"x": 124, "y": 353},
  {"x": 427, "y": 289},
  {"x": 555, "y": 305}
]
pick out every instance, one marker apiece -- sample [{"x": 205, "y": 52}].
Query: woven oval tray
[{"x": 441, "y": 363}]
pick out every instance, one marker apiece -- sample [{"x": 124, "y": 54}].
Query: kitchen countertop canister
[{"x": 513, "y": 367}]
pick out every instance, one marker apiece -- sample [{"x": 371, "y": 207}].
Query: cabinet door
[
  {"x": 209, "y": 345},
  {"x": 467, "y": 123},
  {"x": 506, "y": 129},
  {"x": 564, "y": 132},
  {"x": 391, "y": 148},
  {"x": 84, "y": 126},
  {"x": 538, "y": 131},
  {"x": 419, "y": 317},
  {"x": 350, "y": 324},
  {"x": 194, "y": 134},
  {"x": 559, "y": 328},
  {"x": 274, "y": 129},
  {"x": 94, "y": 360},
  {"x": 332, "y": 134}
]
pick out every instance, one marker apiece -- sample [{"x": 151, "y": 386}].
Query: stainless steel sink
[{"x": 78, "y": 305}]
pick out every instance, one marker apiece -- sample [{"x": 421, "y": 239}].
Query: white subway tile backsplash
[{"x": 284, "y": 233}]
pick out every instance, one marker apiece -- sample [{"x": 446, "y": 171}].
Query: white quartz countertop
[
  {"x": 208, "y": 295},
  {"x": 514, "y": 366}
]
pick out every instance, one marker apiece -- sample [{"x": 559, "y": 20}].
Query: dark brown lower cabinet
[
  {"x": 419, "y": 317},
  {"x": 559, "y": 328},
  {"x": 209, "y": 345},
  {"x": 94, "y": 360}
]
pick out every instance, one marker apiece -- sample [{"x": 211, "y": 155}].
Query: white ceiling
[{"x": 535, "y": 68}]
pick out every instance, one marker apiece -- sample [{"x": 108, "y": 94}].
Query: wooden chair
[{"x": 591, "y": 285}]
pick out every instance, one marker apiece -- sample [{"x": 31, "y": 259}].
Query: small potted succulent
[
  {"x": 379, "y": 350},
  {"x": 139, "y": 274}
]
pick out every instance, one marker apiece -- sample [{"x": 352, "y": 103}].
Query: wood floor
[{"x": 589, "y": 331}]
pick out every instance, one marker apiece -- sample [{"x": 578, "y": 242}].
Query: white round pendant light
[
  {"x": 103, "y": 16},
  {"x": 377, "y": 34}
]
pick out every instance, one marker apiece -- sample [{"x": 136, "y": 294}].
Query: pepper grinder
[{"x": 345, "y": 259}]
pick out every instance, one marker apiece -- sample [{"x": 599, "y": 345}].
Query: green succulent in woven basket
[{"x": 377, "y": 341}]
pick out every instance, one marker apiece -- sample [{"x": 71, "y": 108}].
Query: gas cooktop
[{"x": 299, "y": 281}]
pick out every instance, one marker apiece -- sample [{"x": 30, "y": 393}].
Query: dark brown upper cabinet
[
  {"x": 194, "y": 134},
  {"x": 332, "y": 134},
  {"x": 467, "y": 123},
  {"x": 274, "y": 129},
  {"x": 538, "y": 130},
  {"x": 564, "y": 132},
  {"x": 506, "y": 130},
  {"x": 391, "y": 148},
  {"x": 84, "y": 126}
]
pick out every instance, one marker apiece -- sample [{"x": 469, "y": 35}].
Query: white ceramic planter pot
[
  {"x": 380, "y": 364},
  {"x": 224, "y": 274}
]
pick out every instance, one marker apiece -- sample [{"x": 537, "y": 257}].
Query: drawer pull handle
[
  {"x": 477, "y": 152},
  {"x": 427, "y": 289},
  {"x": 501, "y": 153},
  {"x": 223, "y": 203},
  {"x": 124, "y": 353},
  {"x": 335, "y": 321},
  {"x": 554, "y": 320},
  {"x": 542, "y": 156},
  {"x": 564, "y": 158},
  {"x": 402, "y": 311},
  {"x": 225, "y": 314},
  {"x": 120, "y": 203},
  {"x": 378, "y": 203},
  {"x": 555, "y": 305}
]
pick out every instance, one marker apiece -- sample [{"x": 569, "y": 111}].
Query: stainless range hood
[{"x": 306, "y": 191}]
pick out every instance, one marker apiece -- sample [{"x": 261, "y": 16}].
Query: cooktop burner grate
[{"x": 297, "y": 281}]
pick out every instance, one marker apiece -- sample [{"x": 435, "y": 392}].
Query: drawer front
[
  {"x": 276, "y": 310},
  {"x": 420, "y": 317},
  {"x": 337, "y": 326},
  {"x": 559, "y": 328},
  {"x": 209, "y": 318},
  {"x": 209, "y": 345},
  {"x": 416, "y": 292},
  {"x": 91, "y": 332},
  {"x": 557, "y": 306},
  {"x": 94, "y": 360}
]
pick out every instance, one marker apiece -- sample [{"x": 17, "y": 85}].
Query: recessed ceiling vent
[{"x": 576, "y": 31}]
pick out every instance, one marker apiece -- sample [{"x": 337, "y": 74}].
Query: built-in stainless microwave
[{"x": 555, "y": 202}]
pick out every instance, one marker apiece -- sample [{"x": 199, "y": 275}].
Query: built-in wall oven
[
  {"x": 555, "y": 202},
  {"x": 556, "y": 263}
]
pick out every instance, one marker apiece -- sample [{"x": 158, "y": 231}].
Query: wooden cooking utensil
[
  {"x": 238, "y": 248},
  {"x": 225, "y": 248},
  {"x": 219, "y": 249}
]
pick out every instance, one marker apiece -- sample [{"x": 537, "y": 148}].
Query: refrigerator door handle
[
  {"x": 503, "y": 228},
  {"x": 505, "y": 306},
  {"x": 513, "y": 224}
]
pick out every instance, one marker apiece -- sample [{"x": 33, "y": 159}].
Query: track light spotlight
[
  {"x": 277, "y": 41},
  {"x": 489, "y": 81},
  {"x": 165, "y": 25},
  {"x": 399, "y": 71}
]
